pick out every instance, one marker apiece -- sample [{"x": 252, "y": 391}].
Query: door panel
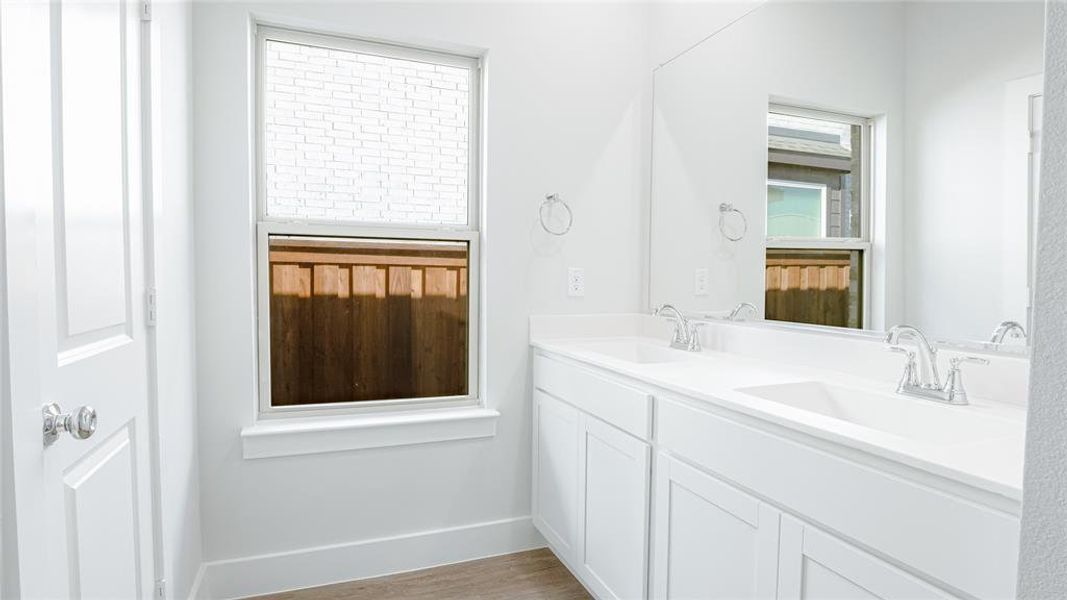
[
  {"x": 102, "y": 527},
  {"x": 818, "y": 566},
  {"x": 556, "y": 472},
  {"x": 614, "y": 501},
  {"x": 90, "y": 202},
  {"x": 74, "y": 271},
  {"x": 712, "y": 541}
]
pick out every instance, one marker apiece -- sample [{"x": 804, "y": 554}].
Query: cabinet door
[
  {"x": 712, "y": 541},
  {"x": 614, "y": 498},
  {"x": 555, "y": 472},
  {"x": 818, "y": 566}
]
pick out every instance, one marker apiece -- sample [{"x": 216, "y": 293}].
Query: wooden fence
[
  {"x": 367, "y": 321},
  {"x": 815, "y": 287}
]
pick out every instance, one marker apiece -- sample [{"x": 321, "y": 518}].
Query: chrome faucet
[
  {"x": 735, "y": 314},
  {"x": 685, "y": 331},
  {"x": 1008, "y": 329},
  {"x": 922, "y": 379},
  {"x": 927, "y": 377}
]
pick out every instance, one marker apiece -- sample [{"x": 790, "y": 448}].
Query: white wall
[
  {"x": 710, "y": 137},
  {"x": 567, "y": 113},
  {"x": 959, "y": 58},
  {"x": 1043, "y": 553},
  {"x": 179, "y": 491},
  {"x": 676, "y": 27}
]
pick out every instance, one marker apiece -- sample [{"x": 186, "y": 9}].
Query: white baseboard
[
  {"x": 198, "y": 590},
  {"x": 336, "y": 563}
]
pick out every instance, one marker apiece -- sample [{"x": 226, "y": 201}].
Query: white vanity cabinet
[
  {"x": 591, "y": 478},
  {"x": 736, "y": 508},
  {"x": 712, "y": 541}
]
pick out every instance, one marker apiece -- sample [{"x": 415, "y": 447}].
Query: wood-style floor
[{"x": 533, "y": 575}]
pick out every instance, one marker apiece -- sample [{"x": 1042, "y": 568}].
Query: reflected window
[{"x": 816, "y": 220}]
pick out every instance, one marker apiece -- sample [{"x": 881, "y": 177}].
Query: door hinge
[
  {"x": 161, "y": 589},
  {"x": 151, "y": 307},
  {"x": 146, "y": 10}
]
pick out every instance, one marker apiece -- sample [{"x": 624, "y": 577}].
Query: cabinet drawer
[
  {"x": 965, "y": 545},
  {"x": 622, "y": 406}
]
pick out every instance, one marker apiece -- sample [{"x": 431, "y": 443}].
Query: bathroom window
[
  {"x": 818, "y": 207},
  {"x": 368, "y": 213}
]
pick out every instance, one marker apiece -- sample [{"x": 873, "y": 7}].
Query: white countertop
[{"x": 994, "y": 465}]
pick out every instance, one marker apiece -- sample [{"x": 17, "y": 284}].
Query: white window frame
[
  {"x": 268, "y": 226},
  {"x": 867, "y": 195}
]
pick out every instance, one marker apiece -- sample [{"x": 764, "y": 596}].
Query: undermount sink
[
  {"x": 634, "y": 351},
  {"x": 916, "y": 419}
]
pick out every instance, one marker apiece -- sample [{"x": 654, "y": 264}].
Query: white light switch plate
[
  {"x": 575, "y": 282},
  {"x": 700, "y": 282}
]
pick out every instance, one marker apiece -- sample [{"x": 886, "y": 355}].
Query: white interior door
[{"x": 74, "y": 270}]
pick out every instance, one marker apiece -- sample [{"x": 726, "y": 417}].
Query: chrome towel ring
[
  {"x": 545, "y": 214},
  {"x": 725, "y": 209}
]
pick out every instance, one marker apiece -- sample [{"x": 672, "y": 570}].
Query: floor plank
[{"x": 533, "y": 575}]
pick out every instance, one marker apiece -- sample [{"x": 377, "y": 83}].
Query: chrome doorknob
[{"x": 80, "y": 424}]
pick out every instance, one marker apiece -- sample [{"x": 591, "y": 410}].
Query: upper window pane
[
  {"x": 361, "y": 137},
  {"x": 815, "y": 178}
]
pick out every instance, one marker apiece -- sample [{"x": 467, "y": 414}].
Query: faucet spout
[
  {"x": 927, "y": 354},
  {"x": 737, "y": 314},
  {"x": 1008, "y": 329},
  {"x": 685, "y": 331}
]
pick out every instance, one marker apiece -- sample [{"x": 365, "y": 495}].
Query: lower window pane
[
  {"x": 821, "y": 287},
  {"x": 356, "y": 319}
]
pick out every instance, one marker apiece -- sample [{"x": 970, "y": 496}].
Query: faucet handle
[
  {"x": 956, "y": 361},
  {"x": 908, "y": 353},
  {"x": 694, "y": 335},
  {"x": 910, "y": 377},
  {"x": 954, "y": 390}
]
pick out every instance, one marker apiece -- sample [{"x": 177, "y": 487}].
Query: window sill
[{"x": 292, "y": 437}]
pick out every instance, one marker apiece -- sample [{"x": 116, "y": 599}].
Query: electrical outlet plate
[
  {"x": 575, "y": 282},
  {"x": 700, "y": 282}
]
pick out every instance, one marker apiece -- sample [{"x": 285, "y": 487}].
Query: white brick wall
[{"x": 358, "y": 137}]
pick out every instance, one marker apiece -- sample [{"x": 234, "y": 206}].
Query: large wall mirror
[{"x": 856, "y": 166}]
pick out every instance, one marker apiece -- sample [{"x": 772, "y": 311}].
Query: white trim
[
  {"x": 337, "y": 563},
  {"x": 818, "y": 244},
  {"x": 361, "y": 45},
  {"x": 198, "y": 591},
  {"x": 792, "y": 110},
  {"x": 291, "y": 437}
]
